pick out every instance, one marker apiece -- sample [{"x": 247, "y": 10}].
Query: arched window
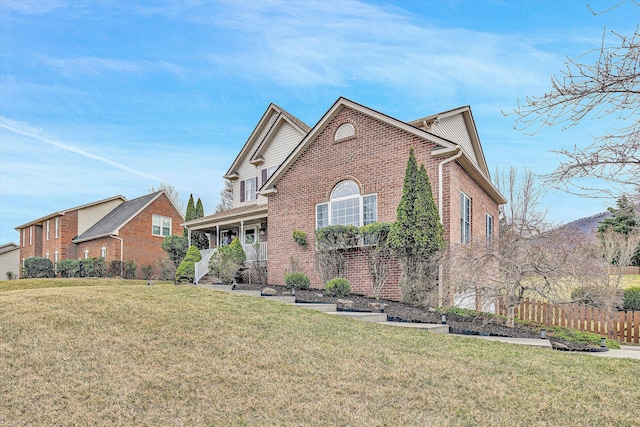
[
  {"x": 86, "y": 253},
  {"x": 347, "y": 207},
  {"x": 103, "y": 252},
  {"x": 346, "y": 130}
]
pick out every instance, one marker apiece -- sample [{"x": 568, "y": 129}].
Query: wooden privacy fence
[{"x": 624, "y": 326}]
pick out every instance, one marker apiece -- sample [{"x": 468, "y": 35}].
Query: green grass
[
  {"x": 630, "y": 280},
  {"x": 128, "y": 354}
]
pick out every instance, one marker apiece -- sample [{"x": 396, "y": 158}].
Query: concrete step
[
  {"x": 325, "y": 308},
  {"x": 246, "y": 293},
  {"x": 367, "y": 317},
  {"x": 430, "y": 327},
  {"x": 287, "y": 299},
  {"x": 215, "y": 287}
]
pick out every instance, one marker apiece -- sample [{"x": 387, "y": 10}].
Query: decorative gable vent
[{"x": 346, "y": 130}]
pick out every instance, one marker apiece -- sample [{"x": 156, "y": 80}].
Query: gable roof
[
  {"x": 120, "y": 216},
  {"x": 59, "y": 213},
  {"x": 265, "y": 124},
  {"x": 443, "y": 124},
  {"x": 445, "y": 146}
]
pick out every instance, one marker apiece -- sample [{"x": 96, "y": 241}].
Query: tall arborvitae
[
  {"x": 199, "y": 238},
  {"x": 191, "y": 212},
  {"x": 417, "y": 236}
]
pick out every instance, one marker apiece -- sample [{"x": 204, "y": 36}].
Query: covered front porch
[{"x": 247, "y": 223}]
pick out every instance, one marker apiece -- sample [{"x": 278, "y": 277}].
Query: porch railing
[
  {"x": 256, "y": 252},
  {"x": 202, "y": 267}
]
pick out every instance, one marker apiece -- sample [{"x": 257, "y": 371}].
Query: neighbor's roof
[
  {"x": 8, "y": 247},
  {"x": 117, "y": 218},
  {"x": 59, "y": 213}
]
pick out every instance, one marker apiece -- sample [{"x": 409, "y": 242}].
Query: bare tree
[
  {"x": 599, "y": 83},
  {"x": 173, "y": 194},
  {"x": 226, "y": 197}
]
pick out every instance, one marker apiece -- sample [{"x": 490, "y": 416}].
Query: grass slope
[{"x": 178, "y": 355}]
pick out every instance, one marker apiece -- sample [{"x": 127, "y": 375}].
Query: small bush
[
  {"x": 631, "y": 299},
  {"x": 296, "y": 280},
  {"x": 38, "y": 268},
  {"x": 338, "y": 287},
  {"x": 300, "y": 237},
  {"x": 130, "y": 268},
  {"x": 10, "y": 275},
  {"x": 186, "y": 271},
  {"x": 115, "y": 268},
  {"x": 147, "y": 271},
  {"x": 69, "y": 268},
  {"x": 226, "y": 261}
]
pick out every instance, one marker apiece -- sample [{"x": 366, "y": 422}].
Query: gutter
[{"x": 121, "y": 250}]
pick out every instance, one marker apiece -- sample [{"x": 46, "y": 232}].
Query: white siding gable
[{"x": 454, "y": 129}]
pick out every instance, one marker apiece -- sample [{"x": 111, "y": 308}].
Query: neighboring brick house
[
  {"x": 133, "y": 231},
  {"x": 51, "y": 236},
  {"x": 349, "y": 169}
]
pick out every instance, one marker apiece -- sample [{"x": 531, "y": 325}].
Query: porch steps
[
  {"x": 359, "y": 315},
  {"x": 322, "y": 307}
]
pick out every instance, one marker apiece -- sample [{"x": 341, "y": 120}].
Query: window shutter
[
  {"x": 241, "y": 191},
  {"x": 264, "y": 176}
]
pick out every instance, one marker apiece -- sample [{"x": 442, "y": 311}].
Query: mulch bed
[{"x": 403, "y": 312}]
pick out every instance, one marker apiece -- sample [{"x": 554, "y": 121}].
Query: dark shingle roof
[{"x": 115, "y": 219}]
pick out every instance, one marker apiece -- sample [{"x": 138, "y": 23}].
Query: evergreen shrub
[
  {"x": 37, "y": 268},
  {"x": 338, "y": 287},
  {"x": 296, "y": 280}
]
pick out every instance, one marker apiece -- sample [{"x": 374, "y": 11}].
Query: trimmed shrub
[
  {"x": 186, "y": 271},
  {"x": 147, "y": 271},
  {"x": 226, "y": 261},
  {"x": 296, "y": 280},
  {"x": 37, "y": 268},
  {"x": 631, "y": 299},
  {"x": 92, "y": 267},
  {"x": 338, "y": 287},
  {"x": 115, "y": 268},
  {"x": 130, "y": 268},
  {"x": 69, "y": 268}
]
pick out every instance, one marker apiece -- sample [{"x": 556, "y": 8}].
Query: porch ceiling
[{"x": 232, "y": 217}]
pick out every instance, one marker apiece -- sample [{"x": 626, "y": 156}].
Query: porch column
[
  {"x": 189, "y": 236},
  {"x": 241, "y": 237}
]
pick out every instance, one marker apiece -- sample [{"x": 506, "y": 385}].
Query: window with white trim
[
  {"x": 31, "y": 235},
  {"x": 48, "y": 229},
  {"x": 489, "y": 229},
  {"x": 55, "y": 261},
  {"x": 465, "y": 218},
  {"x": 47, "y": 255},
  {"x": 86, "y": 253},
  {"x": 266, "y": 173},
  {"x": 248, "y": 189},
  {"x": 24, "y": 237},
  {"x": 57, "y": 228},
  {"x": 161, "y": 225},
  {"x": 103, "y": 252},
  {"x": 347, "y": 207}
]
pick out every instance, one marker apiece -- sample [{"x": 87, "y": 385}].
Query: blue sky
[{"x": 105, "y": 98}]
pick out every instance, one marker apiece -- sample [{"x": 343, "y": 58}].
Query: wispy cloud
[
  {"x": 37, "y": 134},
  {"x": 97, "y": 65}
]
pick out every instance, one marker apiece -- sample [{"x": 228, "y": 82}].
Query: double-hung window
[
  {"x": 347, "y": 207},
  {"x": 465, "y": 218},
  {"x": 161, "y": 225},
  {"x": 57, "y": 227},
  {"x": 266, "y": 173},
  {"x": 248, "y": 189},
  {"x": 489, "y": 230},
  {"x": 48, "y": 227}
]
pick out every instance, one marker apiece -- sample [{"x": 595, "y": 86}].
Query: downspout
[
  {"x": 440, "y": 208},
  {"x": 121, "y": 254}
]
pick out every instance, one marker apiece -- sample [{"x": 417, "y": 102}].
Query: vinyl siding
[{"x": 454, "y": 129}]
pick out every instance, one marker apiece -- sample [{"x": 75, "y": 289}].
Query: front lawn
[{"x": 131, "y": 354}]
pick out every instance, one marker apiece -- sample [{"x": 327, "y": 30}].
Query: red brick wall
[{"x": 376, "y": 159}]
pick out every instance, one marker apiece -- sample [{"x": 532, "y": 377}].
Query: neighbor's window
[
  {"x": 24, "y": 237},
  {"x": 161, "y": 225},
  {"x": 103, "y": 252},
  {"x": 57, "y": 228},
  {"x": 465, "y": 218},
  {"x": 86, "y": 253},
  {"x": 31, "y": 235},
  {"x": 48, "y": 228},
  {"x": 347, "y": 207},
  {"x": 55, "y": 261}
]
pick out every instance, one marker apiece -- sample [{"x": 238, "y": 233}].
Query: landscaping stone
[
  {"x": 345, "y": 303},
  {"x": 269, "y": 292},
  {"x": 378, "y": 307}
]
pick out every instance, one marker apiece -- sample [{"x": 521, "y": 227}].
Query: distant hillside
[{"x": 589, "y": 225}]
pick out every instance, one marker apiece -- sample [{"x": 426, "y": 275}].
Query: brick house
[
  {"x": 113, "y": 228},
  {"x": 133, "y": 231},
  {"x": 349, "y": 169},
  {"x": 51, "y": 236}
]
